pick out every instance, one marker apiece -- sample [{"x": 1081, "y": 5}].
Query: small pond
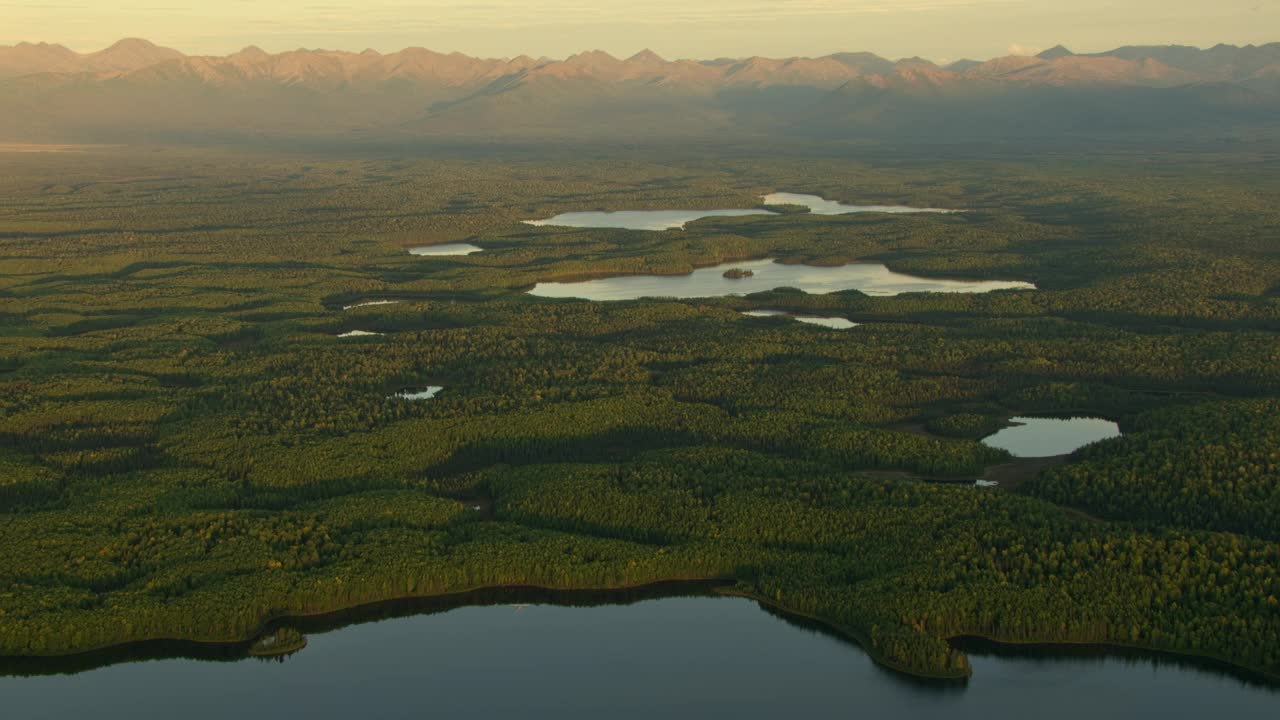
[
  {"x": 447, "y": 250},
  {"x": 425, "y": 393},
  {"x": 869, "y": 278},
  {"x": 1031, "y": 437}
]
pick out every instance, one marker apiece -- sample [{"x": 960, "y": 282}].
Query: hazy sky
[{"x": 937, "y": 29}]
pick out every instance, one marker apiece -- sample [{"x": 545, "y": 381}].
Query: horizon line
[{"x": 940, "y": 61}]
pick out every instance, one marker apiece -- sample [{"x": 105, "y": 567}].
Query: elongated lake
[
  {"x": 870, "y": 278},
  {"x": 673, "y": 657},
  {"x": 370, "y": 303},
  {"x": 1031, "y": 437},
  {"x": 834, "y": 323},
  {"x": 672, "y": 219},
  {"x": 821, "y": 206},
  {"x": 638, "y": 219},
  {"x": 425, "y": 393},
  {"x": 447, "y": 250}
]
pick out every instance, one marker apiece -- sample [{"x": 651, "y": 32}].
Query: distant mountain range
[{"x": 135, "y": 90}]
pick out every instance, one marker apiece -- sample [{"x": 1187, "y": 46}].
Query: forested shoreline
[{"x": 189, "y": 450}]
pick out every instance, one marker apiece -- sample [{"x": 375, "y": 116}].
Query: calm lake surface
[
  {"x": 638, "y": 219},
  {"x": 672, "y": 219},
  {"x": 870, "y": 278},
  {"x": 370, "y": 303},
  {"x": 449, "y": 249},
  {"x": 835, "y": 323},
  {"x": 1047, "y": 437},
  {"x": 820, "y": 206},
  {"x": 678, "y": 657},
  {"x": 419, "y": 393}
]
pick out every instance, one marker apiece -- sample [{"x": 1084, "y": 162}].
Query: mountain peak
[
  {"x": 590, "y": 57},
  {"x": 1055, "y": 52},
  {"x": 646, "y": 57},
  {"x": 128, "y": 55},
  {"x": 251, "y": 51},
  {"x": 40, "y": 46},
  {"x": 591, "y": 62},
  {"x": 916, "y": 62},
  {"x": 133, "y": 43},
  {"x": 864, "y": 62}
]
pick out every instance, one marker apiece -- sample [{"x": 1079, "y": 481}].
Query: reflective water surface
[
  {"x": 638, "y": 219},
  {"x": 870, "y": 278},
  {"x": 820, "y": 206},
  {"x": 370, "y": 303},
  {"x": 672, "y": 657},
  {"x": 445, "y": 250},
  {"x": 835, "y": 323},
  {"x": 1047, "y": 437},
  {"x": 672, "y": 219},
  {"x": 419, "y": 393}
]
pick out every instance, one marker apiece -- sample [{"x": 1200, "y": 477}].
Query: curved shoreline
[
  {"x": 1204, "y": 660},
  {"x": 319, "y": 622},
  {"x": 236, "y": 648},
  {"x": 861, "y": 640},
  {"x": 773, "y": 258}
]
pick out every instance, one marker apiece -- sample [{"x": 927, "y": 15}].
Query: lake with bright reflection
[
  {"x": 674, "y": 657},
  {"x": 370, "y": 303},
  {"x": 835, "y": 323},
  {"x": 820, "y": 206},
  {"x": 638, "y": 219},
  {"x": 1046, "y": 437},
  {"x": 425, "y": 393},
  {"x": 870, "y": 278},
  {"x": 447, "y": 250},
  {"x": 673, "y": 219}
]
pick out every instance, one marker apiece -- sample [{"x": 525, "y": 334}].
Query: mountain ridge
[
  {"x": 133, "y": 54},
  {"x": 137, "y": 89}
]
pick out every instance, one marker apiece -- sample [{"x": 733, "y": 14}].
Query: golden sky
[{"x": 936, "y": 29}]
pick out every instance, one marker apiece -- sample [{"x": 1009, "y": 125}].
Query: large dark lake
[{"x": 650, "y": 657}]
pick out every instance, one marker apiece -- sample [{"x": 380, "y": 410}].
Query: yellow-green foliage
[{"x": 187, "y": 447}]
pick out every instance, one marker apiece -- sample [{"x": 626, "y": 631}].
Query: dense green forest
[{"x": 189, "y": 449}]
